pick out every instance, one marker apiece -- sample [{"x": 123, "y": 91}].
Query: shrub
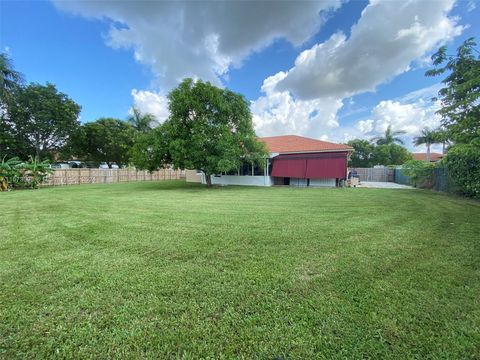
[
  {"x": 9, "y": 172},
  {"x": 463, "y": 165},
  {"x": 420, "y": 172},
  {"x": 15, "y": 174}
]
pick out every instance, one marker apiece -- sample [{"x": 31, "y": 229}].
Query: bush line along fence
[
  {"x": 107, "y": 176},
  {"x": 439, "y": 180}
]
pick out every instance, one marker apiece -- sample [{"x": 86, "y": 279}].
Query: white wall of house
[
  {"x": 241, "y": 180},
  {"x": 298, "y": 182},
  {"x": 266, "y": 181},
  {"x": 322, "y": 182},
  {"x": 313, "y": 182}
]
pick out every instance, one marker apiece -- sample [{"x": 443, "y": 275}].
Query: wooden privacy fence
[
  {"x": 105, "y": 176},
  {"x": 375, "y": 174}
]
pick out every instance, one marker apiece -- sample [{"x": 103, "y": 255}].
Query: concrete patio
[{"x": 383, "y": 185}]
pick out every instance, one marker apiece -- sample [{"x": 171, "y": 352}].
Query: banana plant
[
  {"x": 36, "y": 171},
  {"x": 9, "y": 172}
]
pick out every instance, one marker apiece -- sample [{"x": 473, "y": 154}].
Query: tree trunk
[
  {"x": 208, "y": 179},
  {"x": 428, "y": 152},
  {"x": 444, "y": 145},
  {"x": 37, "y": 152}
]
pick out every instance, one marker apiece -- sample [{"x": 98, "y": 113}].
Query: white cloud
[
  {"x": 151, "y": 103},
  {"x": 383, "y": 44},
  {"x": 278, "y": 113},
  {"x": 201, "y": 39},
  {"x": 409, "y": 117},
  {"x": 411, "y": 113},
  {"x": 471, "y": 5},
  {"x": 388, "y": 38},
  {"x": 205, "y": 39},
  {"x": 365, "y": 126}
]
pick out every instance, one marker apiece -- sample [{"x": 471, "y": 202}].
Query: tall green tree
[
  {"x": 10, "y": 79},
  {"x": 428, "y": 138},
  {"x": 151, "y": 149},
  {"x": 460, "y": 105},
  {"x": 39, "y": 122},
  {"x": 390, "y": 154},
  {"x": 363, "y": 153},
  {"x": 142, "y": 122},
  {"x": 390, "y": 137},
  {"x": 105, "y": 140},
  {"x": 210, "y": 129}
]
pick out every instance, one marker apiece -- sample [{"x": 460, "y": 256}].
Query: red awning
[
  {"x": 286, "y": 167},
  {"x": 311, "y": 166}
]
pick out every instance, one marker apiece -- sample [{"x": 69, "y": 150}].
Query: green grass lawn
[{"x": 170, "y": 270}]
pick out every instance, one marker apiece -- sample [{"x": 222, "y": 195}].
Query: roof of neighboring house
[
  {"x": 300, "y": 144},
  {"x": 423, "y": 156}
]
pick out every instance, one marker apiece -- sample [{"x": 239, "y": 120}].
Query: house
[
  {"x": 293, "y": 160},
  {"x": 434, "y": 157}
]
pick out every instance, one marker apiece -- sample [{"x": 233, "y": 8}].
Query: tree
[
  {"x": 460, "y": 105},
  {"x": 10, "y": 80},
  {"x": 460, "y": 112},
  {"x": 428, "y": 138},
  {"x": 210, "y": 129},
  {"x": 105, "y": 140},
  {"x": 7, "y": 141},
  {"x": 39, "y": 122},
  {"x": 150, "y": 151},
  {"x": 390, "y": 137},
  {"x": 391, "y": 154},
  {"x": 141, "y": 122},
  {"x": 363, "y": 154},
  {"x": 441, "y": 137}
]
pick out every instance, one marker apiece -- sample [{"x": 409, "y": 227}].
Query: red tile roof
[
  {"x": 423, "y": 156},
  {"x": 299, "y": 144}
]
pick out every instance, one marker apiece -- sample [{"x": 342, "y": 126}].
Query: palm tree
[
  {"x": 141, "y": 122},
  {"x": 9, "y": 78},
  {"x": 390, "y": 137},
  {"x": 442, "y": 137},
  {"x": 428, "y": 137}
]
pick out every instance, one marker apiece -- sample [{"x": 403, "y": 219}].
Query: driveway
[{"x": 383, "y": 185}]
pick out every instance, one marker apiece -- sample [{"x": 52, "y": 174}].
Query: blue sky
[{"x": 333, "y": 70}]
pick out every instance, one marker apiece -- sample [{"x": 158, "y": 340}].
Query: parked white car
[{"x": 103, "y": 166}]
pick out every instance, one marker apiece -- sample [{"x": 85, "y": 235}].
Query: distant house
[
  {"x": 293, "y": 160},
  {"x": 434, "y": 157}
]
